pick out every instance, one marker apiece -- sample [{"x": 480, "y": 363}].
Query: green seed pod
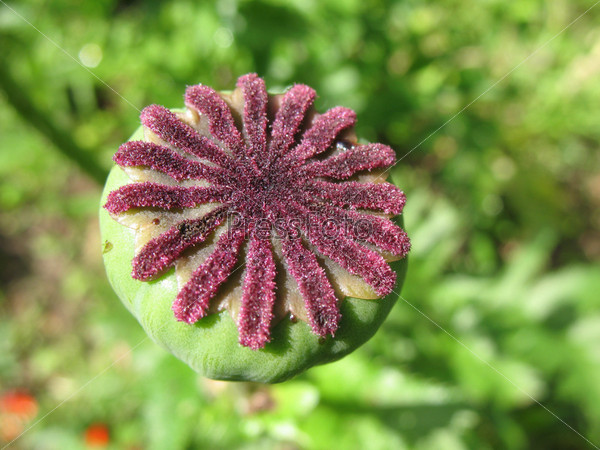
[{"x": 250, "y": 236}]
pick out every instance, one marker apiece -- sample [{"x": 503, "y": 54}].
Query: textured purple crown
[{"x": 267, "y": 178}]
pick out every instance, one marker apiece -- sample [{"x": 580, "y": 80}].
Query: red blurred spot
[
  {"x": 97, "y": 435},
  {"x": 20, "y": 404},
  {"x": 16, "y": 409}
]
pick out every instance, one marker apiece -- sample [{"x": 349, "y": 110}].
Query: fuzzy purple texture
[
  {"x": 220, "y": 121},
  {"x": 167, "y": 126},
  {"x": 322, "y": 133},
  {"x": 318, "y": 294},
  {"x": 255, "y": 114},
  {"x": 352, "y": 161},
  {"x": 294, "y": 105},
  {"x": 380, "y": 196},
  {"x": 148, "y": 194},
  {"x": 258, "y": 295},
  {"x": 331, "y": 240},
  {"x": 269, "y": 177},
  {"x": 162, "y": 251},
  {"x": 164, "y": 160},
  {"x": 193, "y": 300}
]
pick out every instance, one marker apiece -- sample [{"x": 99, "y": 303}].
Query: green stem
[{"x": 41, "y": 121}]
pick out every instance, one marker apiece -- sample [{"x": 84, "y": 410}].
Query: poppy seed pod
[{"x": 251, "y": 236}]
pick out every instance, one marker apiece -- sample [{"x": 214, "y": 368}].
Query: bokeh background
[{"x": 501, "y": 308}]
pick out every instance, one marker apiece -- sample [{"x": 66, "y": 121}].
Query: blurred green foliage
[{"x": 495, "y": 342}]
